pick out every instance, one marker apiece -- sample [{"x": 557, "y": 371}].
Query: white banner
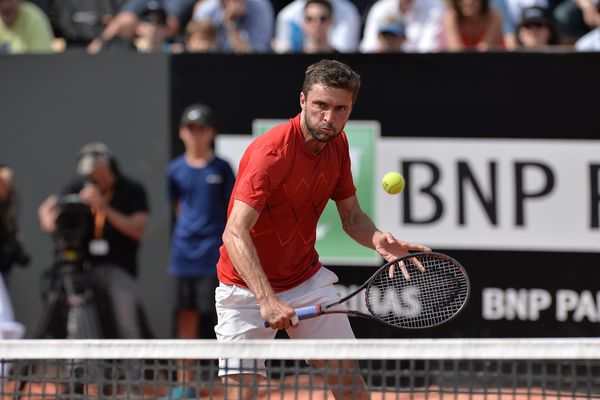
[{"x": 497, "y": 194}]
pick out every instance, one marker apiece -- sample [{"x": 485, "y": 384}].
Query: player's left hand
[{"x": 391, "y": 248}]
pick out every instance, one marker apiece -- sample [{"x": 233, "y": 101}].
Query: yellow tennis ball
[{"x": 393, "y": 182}]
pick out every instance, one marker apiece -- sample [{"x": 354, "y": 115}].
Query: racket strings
[{"x": 427, "y": 299}]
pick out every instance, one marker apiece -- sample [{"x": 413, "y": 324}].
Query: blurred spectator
[
  {"x": 77, "y": 22},
  {"x": 318, "y": 20},
  {"x": 11, "y": 248},
  {"x": 344, "y": 34},
  {"x": 9, "y": 328},
  {"x": 590, "y": 41},
  {"x": 201, "y": 37},
  {"x": 422, "y": 21},
  {"x": 575, "y": 18},
  {"x": 537, "y": 30},
  {"x": 120, "y": 213},
  {"x": 199, "y": 185},
  {"x": 121, "y": 30},
  {"x": 391, "y": 37},
  {"x": 512, "y": 12},
  {"x": 152, "y": 31},
  {"x": 244, "y": 26},
  {"x": 24, "y": 28},
  {"x": 11, "y": 252},
  {"x": 472, "y": 25}
]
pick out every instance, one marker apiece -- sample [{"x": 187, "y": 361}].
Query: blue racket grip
[
  {"x": 304, "y": 313},
  {"x": 308, "y": 312}
]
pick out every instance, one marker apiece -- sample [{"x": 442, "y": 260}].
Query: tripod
[{"x": 70, "y": 307}]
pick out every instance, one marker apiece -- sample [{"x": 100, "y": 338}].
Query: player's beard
[{"x": 320, "y": 137}]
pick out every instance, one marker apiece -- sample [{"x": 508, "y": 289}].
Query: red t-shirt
[{"x": 289, "y": 186}]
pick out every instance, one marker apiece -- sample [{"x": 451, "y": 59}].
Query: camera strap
[
  {"x": 99, "y": 221},
  {"x": 99, "y": 246},
  {"x": 100, "y": 216}
]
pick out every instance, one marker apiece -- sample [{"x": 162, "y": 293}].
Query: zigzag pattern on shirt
[{"x": 297, "y": 199}]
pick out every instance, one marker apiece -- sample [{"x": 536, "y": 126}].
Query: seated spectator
[
  {"x": 9, "y": 327},
  {"x": 422, "y": 21},
  {"x": 344, "y": 35},
  {"x": 472, "y": 25},
  {"x": 243, "y": 26},
  {"x": 318, "y": 20},
  {"x": 201, "y": 37},
  {"x": 575, "y": 18},
  {"x": 24, "y": 28},
  {"x": 537, "y": 31},
  {"x": 152, "y": 31},
  {"x": 391, "y": 37},
  {"x": 512, "y": 12},
  {"x": 590, "y": 41},
  {"x": 122, "y": 28},
  {"x": 12, "y": 249}
]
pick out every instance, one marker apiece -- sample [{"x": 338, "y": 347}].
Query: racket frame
[{"x": 314, "y": 311}]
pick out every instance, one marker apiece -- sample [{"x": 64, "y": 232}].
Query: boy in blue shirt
[{"x": 199, "y": 186}]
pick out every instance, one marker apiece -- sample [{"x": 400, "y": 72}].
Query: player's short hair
[{"x": 331, "y": 73}]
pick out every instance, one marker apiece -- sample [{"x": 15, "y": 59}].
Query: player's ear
[{"x": 302, "y": 100}]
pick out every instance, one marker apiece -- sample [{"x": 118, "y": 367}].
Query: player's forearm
[
  {"x": 361, "y": 228},
  {"x": 245, "y": 259}
]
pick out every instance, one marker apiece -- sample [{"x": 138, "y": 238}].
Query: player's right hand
[{"x": 278, "y": 314}]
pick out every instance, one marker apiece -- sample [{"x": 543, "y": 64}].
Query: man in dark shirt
[{"x": 119, "y": 209}]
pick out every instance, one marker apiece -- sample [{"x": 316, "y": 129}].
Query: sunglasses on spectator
[{"x": 320, "y": 18}]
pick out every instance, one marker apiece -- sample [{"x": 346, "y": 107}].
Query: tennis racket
[{"x": 426, "y": 299}]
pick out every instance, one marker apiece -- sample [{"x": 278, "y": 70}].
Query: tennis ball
[{"x": 393, "y": 182}]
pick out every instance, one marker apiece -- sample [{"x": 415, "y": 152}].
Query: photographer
[
  {"x": 119, "y": 209},
  {"x": 11, "y": 248}
]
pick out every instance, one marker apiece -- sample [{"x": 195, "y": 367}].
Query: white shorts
[{"x": 239, "y": 318}]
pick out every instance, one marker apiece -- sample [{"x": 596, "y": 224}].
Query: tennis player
[{"x": 268, "y": 263}]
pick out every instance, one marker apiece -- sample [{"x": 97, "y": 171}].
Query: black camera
[
  {"x": 66, "y": 287},
  {"x": 74, "y": 229}
]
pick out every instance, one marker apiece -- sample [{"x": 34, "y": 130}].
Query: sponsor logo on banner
[
  {"x": 494, "y": 193},
  {"x": 529, "y": 304}
]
